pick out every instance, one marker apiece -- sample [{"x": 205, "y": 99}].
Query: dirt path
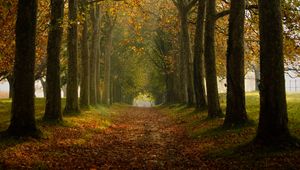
[
  {"x": 138, "y": 138},
  {"x": 142, "y": 138}
]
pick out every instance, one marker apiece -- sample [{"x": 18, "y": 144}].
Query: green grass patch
[
  {"x": 88, "y": 122},
  {"x": 218, "y": 140}
]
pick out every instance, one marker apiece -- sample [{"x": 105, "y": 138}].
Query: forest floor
[{"x": 124, "y": 137}]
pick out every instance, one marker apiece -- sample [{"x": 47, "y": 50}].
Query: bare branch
[
  {"x": 226, "y": 12},
  {"x": 95, "y": 1},
  {"x": 191, "y": 4}
]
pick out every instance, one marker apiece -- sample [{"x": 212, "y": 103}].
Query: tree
[
  {"x": 214, "y": 109},
  {"x": 53, "y": 96},
  {"x": 85, "y": 73},
  {"x": 163, "y": 61},
  {"x": 108, "y": 31},
  {"x": 186, "y": 76},
  {"x": 23, "y": 115},
  {"x": 199, "y": 57},
  {"x": 8, "y": 15},
  {"x": 94, "y": 52},
  {"x": 98, "y": 58},
  {"x": 236, "y": 109},
  {"x": 273, "y": 119},
  {"x": 72, "y": 82}
]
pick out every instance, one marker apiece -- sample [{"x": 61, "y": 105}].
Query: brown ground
[{"x": 138, "y": 138}]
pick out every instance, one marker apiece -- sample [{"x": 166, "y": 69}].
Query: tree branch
[
  {"x": 95, "y": 1},
  {"x": 191, "y": 4},
  {"x": 175, "y": 3},
  {"x": 227, "y": 12}
]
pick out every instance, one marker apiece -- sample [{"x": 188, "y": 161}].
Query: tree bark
[
  {"x": 199, "y": 58},
  {"x": 214, "y": 109},
  {"x": 107, "y": 67},
  {"x": 170, "y": 97},
  {"x": 236, "y": 114},
  {"x": 93, "y": 57},
  {"x": 98, "y": 62},
  {"x": 273, "y": 120},
  {"x": 23, "y": 112},
  {"x": 98, "y": 77},
  {"x": 185, "y": 61},
  {"x": 85, "y": 73},
  {"x": 184, "y": 56},
  {"x": 178, "y": 84},
  {"x": 72, "y": 80},
  {"x": 181, "y": 94},
  {"x": 53, "y": 96}
]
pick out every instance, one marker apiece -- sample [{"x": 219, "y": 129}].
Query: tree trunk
[
  {"x": 236, "y": 114},
  {"x": 72, "y": 80},
  {"x": 118, "y": 97},
  {"x": 93, "y": 57},
  {"x": 181, "y": 95},
  {"x": 181, "y": 92},
  {"x": 273, "y": 120},
  {"x": 170, "y": 98},
  {"x": 23, "y": 112},
  {"x": 177, "y": 83},
  {"x": 85, "y": 78},
  {"x": 199, "y": 58},
  {"x": 214, "y": 109},
  {"x": 185, "y": 55},
  {"x": 98, "y": 77},
  {"x": 98, "y": 62},
  {"x": 107, "y": 67},
  {"x": 53, "y": 96}
]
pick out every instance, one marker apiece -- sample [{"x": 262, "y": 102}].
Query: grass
[
  {"x": 221, "y": 147},
  {"x": 74, "y": 131},
  {"x": 199, "y": 127},
  {"x": 234, "y": 145},
  {"x": 98, "y": 115},
  {"x": 5, "y": 107}
]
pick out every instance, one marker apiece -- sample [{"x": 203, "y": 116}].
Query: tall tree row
[{"x": 273, "y": 121}]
